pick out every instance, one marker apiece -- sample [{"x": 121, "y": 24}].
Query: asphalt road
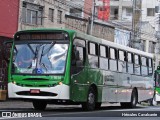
[{"x": 21, "y": 109}]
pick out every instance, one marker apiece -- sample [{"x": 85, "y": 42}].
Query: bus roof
[
  {"x": 112, "y": 44},
  {"x": 46, "y": 30}
]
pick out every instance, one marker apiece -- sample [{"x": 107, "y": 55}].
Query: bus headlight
[
  {"x": 60, "y": 83},
  {"x": 13, "y": 82}
]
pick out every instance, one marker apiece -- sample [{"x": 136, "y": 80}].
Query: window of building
[
  {"x": 143, "y": 45},
  {"x": 150, "y": 11},
  {"x": 32, "y": 14},
  {"x": 32, "y": 17},
  {"x": 76, "y": 12},
  {"x": 156, "y": 9},
  {"x": 128, "y": 11},
  {"x": 59, "y": 17},
  {"x": 51, "y": 14},
  {"x": 151, "y": 47}
]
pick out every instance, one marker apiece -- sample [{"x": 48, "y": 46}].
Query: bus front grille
[{"x": 27, "y": 93}]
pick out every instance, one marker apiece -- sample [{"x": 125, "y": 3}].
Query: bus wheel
[
  {"x": 39, "y": 105},
  {"x": 91, "y": 103},
  {"x": 134, "y": 99},
  {"x": 124, "y": 105},
  {"x": 98, "y": 105}
]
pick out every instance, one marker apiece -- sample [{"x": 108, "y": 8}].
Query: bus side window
[
  {"x": 137, "y": 65},
  {"x": 93, "y": 54},
  {"x": 78, "y": 56},
  {"x": 144, "y": 69},
  {"x": 122, "y": 61},
  {"x": 130, "y": 63},
  {"x": 103, "y": 57},
  {"x": 150, "y": 67},
  {"x": 113, "y": 59}
]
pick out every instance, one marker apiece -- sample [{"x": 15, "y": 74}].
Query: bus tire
[
  {"x": 39, "y": 105},
  {"x": 134, "y": 99},
  {"x": 124, "y": 105},
  {"x": 90, "y": 104},
  {"x": 98, "y": 105}
]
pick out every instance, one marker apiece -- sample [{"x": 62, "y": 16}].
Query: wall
[
  {"x": 9, "y": 17},
  {"x": 87, "y": 8},
  {"x": 99, "y": 29},
  {"x": 148, "y": 4}
]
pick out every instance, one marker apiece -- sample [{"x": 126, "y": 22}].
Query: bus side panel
[
  {"x": 81, "y": 82},
  {"x": 79, "y": 86},
  {"x": 124, "y": 87},
  {"x": 109, "y": 87},
  {"x": 144, "y": 87}
]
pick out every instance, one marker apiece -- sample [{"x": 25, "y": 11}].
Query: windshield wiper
[
  {"x": 44, "y": 53},
  {"x": 47, "y": 50},
  {"x": 30, "y": 48}
]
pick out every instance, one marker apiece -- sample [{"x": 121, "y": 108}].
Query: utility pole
[
  {"x": 136, "y": 19},
  {"x": 133, "y": 24},
  {"x": 92, "y": 17}
]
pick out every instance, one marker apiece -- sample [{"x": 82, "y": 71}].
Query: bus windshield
[{"x": 33, "y": 58}]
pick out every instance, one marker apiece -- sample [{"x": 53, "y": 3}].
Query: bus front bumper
[
  {"x": 157, "y": 97},
  {"x": 60, "y": 92}
]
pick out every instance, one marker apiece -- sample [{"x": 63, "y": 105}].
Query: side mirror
[
  {"x": 79, "y": 63},
  {"x": 77, "y": 55},
  {"x": 7, "y": 45}
]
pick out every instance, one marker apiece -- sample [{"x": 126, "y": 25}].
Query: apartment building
[
  {"x": 42, "y": 13},
  {"x": 76, "y": 8}
]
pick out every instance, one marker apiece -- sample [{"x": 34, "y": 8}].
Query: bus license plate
[{"x": 35, "y": 91}]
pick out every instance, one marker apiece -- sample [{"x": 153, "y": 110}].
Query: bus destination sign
[{"x": 42, "y": 36}]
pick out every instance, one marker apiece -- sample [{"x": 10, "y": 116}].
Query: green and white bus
[
  {"x": 156, "y": 98},
  {"x": 62, "y": 66}
]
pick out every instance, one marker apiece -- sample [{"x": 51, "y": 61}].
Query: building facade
[
  {"x": 76, "y": 8},
  {"x": 42, "y": 14}
]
